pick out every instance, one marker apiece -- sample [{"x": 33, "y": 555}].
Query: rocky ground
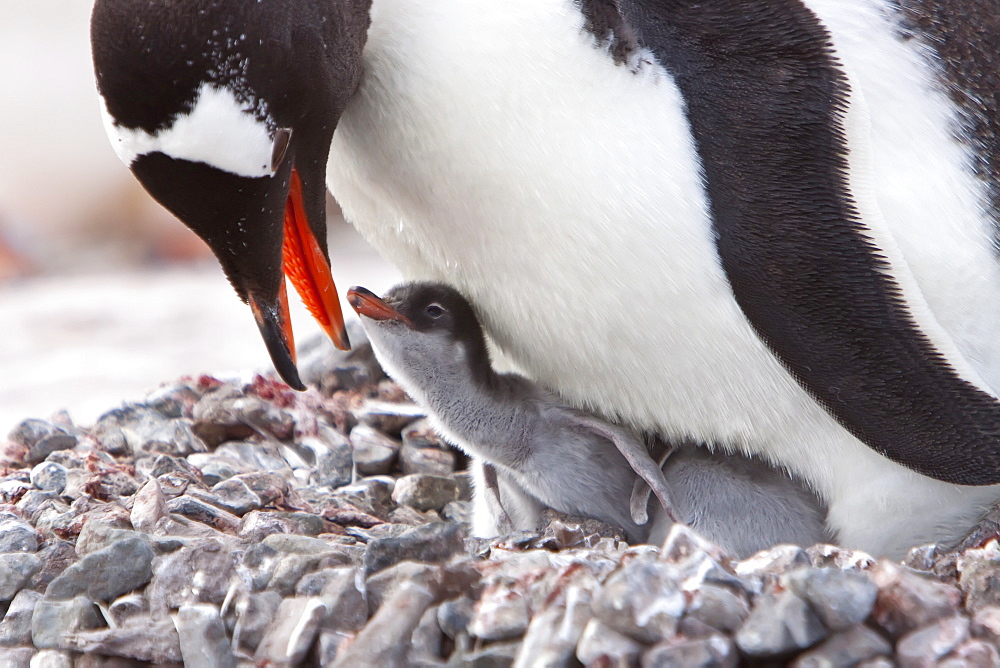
[{"x": 221, "y": 525}]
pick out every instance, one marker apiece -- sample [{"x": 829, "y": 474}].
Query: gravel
[{"x": 223, "y": 524}]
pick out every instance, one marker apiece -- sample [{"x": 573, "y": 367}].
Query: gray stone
[
  {"x": 979, "y": 576},
  {"x": 139, "y": 429},
  {"x": 422, "y": 435},
  {"x": 455, "y": 616},
  {"x": 15, "y": 629},
  {"x": 412, "y": 517},
  {"x": 126, "y": 608},
  {"x": 259, "y": 524},
  {"x": 432, "y": 542},
  {"x": 291, "y": 567},
  {"x": 17, "y": 657},
  {"x": 986, "y": 623},
  {"x": 823, "y": 555},
  {"x": 388, "y": 417},
  {"x": 600, "y": 642},
  {"x": 779, "y": 624},
  {"x": 457, "y": 511},
  {"x": 972, "y": 653},
  {"x": 773, "y": 561},
  {"x": 97, "y": 535},
  {"x": 925, "y": 645},
  {"x": 165, "y": 464},
  {"x": 710, "y": 652},
  {"x": 332, "y": 370},
  {"x": 40, "y": 438},
  {"x": 328, "y": 644},
  {"x": 329, "y": 455},
  {"x": 56, "y": 556},
  {"x": 228, "y": 413},
  {"x": 173, "y": 485},
  {"x": 841, "y": 599},
  {"x": 53, "y": 620},
  {"x": 465, "y": 485},
  {"x": 16, "y": 535},
  {"x": 255, "y": 612},
  {"x": 292, "y": 633},
  {"x": 34, "y": 502},
  {"x": 500, "y": 614},
  {"x": 374, "y": 453},
  {"x": 295, "y": 544},
  {"x": 199, "y": 573},
  {"x": 433, "y": 461},
  {"x": 427, "y": 640},
  {"x": 49, "y": 477},
  {"x": 312, "y": 584},
  {"x": 173, "y": 401},
  {"x": 846, "y": 648},
  {"x": 494, "y": 655},
  {"x": 203, "y": 512},
  {"x": 719, "y": 607},
  {"x": 143, "y": 639},
  {"x": 269, "y": 487},
  {"x": 907, "y": 600},
  {"x": 107, "y": 573},
  {"x": 16, "y": 571},
  {"x": 235, "y": 458},
  {"x": 383, "y": 584},
  {"x": 52, "y": 658},
  {"x": 555, "y": 631},
  {"x": 346, "y": 607},
  {"x": 378, "y": 643},
  {"x": 642, "y": 599},
  {"x": 149, "y": 506},
  {"x": 425, "y": 492},
  {"x": 921, "y": 558},
  {"x": 154, "y": 434},
  {"x": 203, "y": 639}
]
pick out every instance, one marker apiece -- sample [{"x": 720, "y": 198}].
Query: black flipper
[{"x": 765, "y": 99}]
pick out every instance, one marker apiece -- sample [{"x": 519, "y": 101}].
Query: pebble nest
[{"x": 227, "y": 524}]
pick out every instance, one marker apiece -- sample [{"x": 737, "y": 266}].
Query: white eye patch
[{"x": 218, "y": 131}]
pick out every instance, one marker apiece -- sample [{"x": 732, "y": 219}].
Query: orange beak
[
  {"x": 367, "y": 303},
  {"x": 306, "y": 267}
]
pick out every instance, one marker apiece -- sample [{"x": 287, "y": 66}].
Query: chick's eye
[{"x": 434, "y": 311}]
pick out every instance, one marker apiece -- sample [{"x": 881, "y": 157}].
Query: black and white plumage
[
  {"x": 536, "y": 452},
  {"x": 766, "y": 225}
]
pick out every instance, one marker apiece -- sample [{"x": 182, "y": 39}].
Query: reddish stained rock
[{"x": 907, "y": 601}]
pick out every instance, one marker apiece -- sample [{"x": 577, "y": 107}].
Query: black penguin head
[
  {"x": 225, "y": 110},
  {"x": 423, "y": 323}
]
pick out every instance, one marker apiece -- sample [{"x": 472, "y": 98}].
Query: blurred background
[{"x": 103, "y": 294}]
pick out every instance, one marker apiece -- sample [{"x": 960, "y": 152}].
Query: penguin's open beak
[
  {"x": 305, "y": 265},
  {"x": 367, "y": 303}
]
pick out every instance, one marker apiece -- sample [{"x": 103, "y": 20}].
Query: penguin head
[
  {"x": 421, "y": 330},
  {"x": 224, "y": 111}
]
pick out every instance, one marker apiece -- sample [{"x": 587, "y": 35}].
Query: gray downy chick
[
  {"x": 536, "y": 452},
  {"x": 427, "y": 337}
]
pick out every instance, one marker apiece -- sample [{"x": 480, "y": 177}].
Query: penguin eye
[
  {"x": 434, "y": 311},
  {"x": 282, "y": 138}
]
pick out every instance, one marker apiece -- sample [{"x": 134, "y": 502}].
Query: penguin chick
[
  {"x": 427, "y": 337},
  {"x": 739, "y": 502},
  {"x": 538, "y": 452}
]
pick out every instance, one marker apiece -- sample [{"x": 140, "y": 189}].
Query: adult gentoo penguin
[{"x": 767, "y": 225}]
